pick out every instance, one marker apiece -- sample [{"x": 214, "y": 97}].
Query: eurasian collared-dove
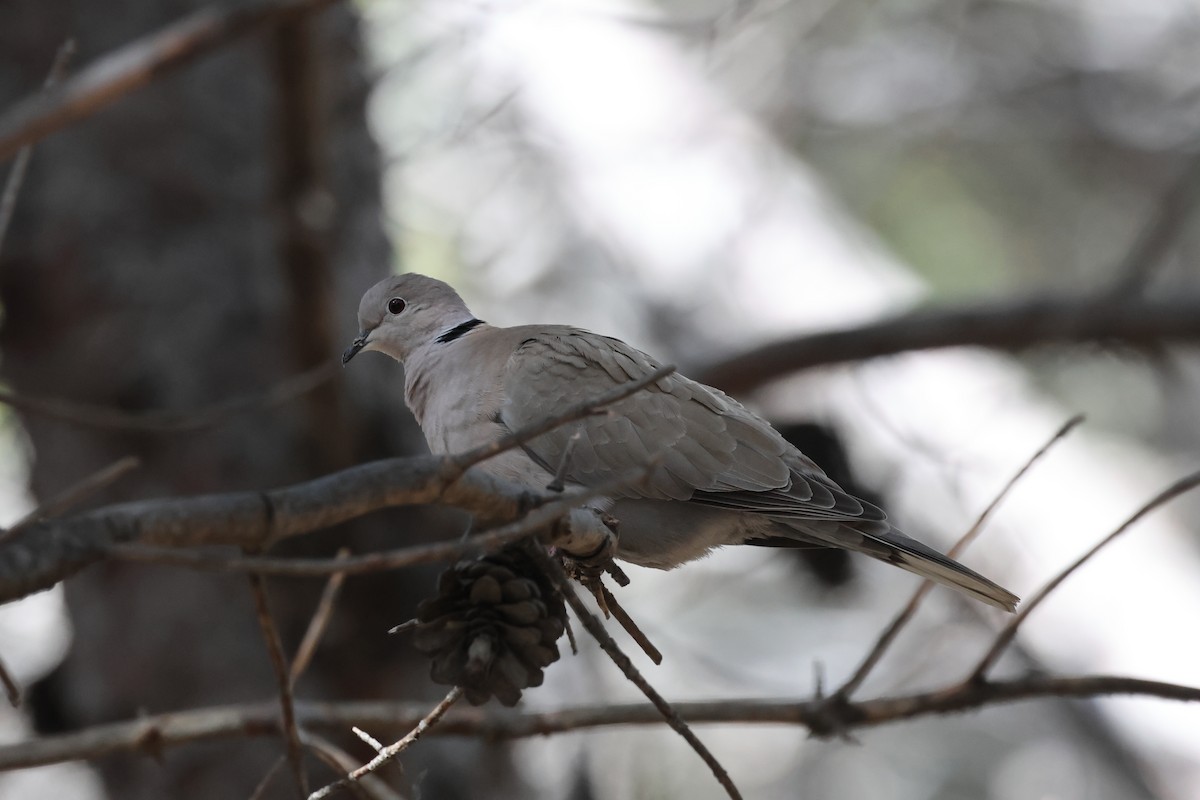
[{"x": 726, "y": 476}]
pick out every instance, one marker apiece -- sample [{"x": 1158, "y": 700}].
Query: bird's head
[{"x": 404, "y": 312}]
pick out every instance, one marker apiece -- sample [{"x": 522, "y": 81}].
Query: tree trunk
[{"x": 200, "y": 240}]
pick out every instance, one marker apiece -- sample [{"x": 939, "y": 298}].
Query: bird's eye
[{"x": 396, "y": 305}]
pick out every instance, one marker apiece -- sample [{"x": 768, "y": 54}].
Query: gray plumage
[{"x": 726, "y": 476}]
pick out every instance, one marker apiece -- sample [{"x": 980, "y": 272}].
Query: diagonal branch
[
  {"x": 319, "y": 622},
  {"x": 391, "y": 751},
  {"x": 1160, "y": 231},
  {"x": 279, "y": 665},
  {"x": 893, "y": 629},
  {"x": 596, "y": 628},
  {"x": 137, "y": 64},
  {"x": 580, "y": 410},
  {"x": 73, "y": 495},
  {"x": 16, "y": 176},
  {"x": 1006, "y": 635},
  {"x": 342, "y": 762}
]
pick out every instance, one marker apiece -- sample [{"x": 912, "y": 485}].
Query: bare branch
[
  {"x": 12, "y": 689},
  {"x": 374, "y": 743},
  {"x": 287, "y": 715},
  {"x": 44, "y": 553},
  {"x": 490, "y": 541},
  {"x": 1160, "y": 231},
  {"x": 163, "y": 422},
  {"x": 154, "y": 733},
  {"x": 596, "y": 628},
  {"x": 16, "y": 176},
  {"x": 74, "y": 495},
  {"x": 628, "y": 624},
  {"x": 1006, "y": 635},
  {"x": 342, "y": 762},
  {"x": 260, "y": 791},
  {"x": 319, "y": 622},
  {"x": 893, "y": 629},
  {"x": 41, "y": 555},
  {"x": 1011, "y": 325},
  {"x": 138, "y": 64},
  {"x": 395, "y": 749}
]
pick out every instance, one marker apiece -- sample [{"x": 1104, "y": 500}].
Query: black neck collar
[{"x": 458, "y": 331}]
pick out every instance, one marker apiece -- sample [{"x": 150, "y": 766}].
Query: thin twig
[
  {"x": 12, "y": 689},
  {"x": 395, "y": 749},
  {"x": 371, "y": 741},
  {"x": 16, "y": 176},
  {"x": 596, "y": 628},
  {"x": 341, "y": 762},
  {"x": 1005, "y": 637},
  {"x": 59, "y": 504},
  {"x": 260, "y": 791},
  {"x": 75, "y": 494},
  {"x": 138, "y": 64},
  {"x": 578, "y": 411},
  {"x": 897, "y": 624},
  {"x": 171, "y": 422},
  {"x": 319, "y": 622},
  {"x": 287, "y": 709},
  {"x": 631, "y": 627},
  {"x": 179, "y": 728},
  {"x": 1162, "y": 228},
  {"x": 564, "y": 464}
]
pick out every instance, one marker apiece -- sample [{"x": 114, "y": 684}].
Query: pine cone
[{"x": 492, "y": 627}]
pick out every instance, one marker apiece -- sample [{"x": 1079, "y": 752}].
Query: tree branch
[
  {"x": 1010, "y": 325},
  {"x": 279, "y": 665},
  {"x": 41, "y": 554},
  {"x": 1160, "y": 231},
  {"x": 341, "y": 762},
  {"x": 489, "y": 541},
  {"x": 152, "y": 734},
  {"x": 668, "y": 712},
  {"x": 16, "y": 176},
  {"x": 1009, "y": 632},
  {"x": 137, "y": 64},
  {"x": 75, "y": 494},
  {"x": 319, "y": 622},
  {"x": 890, "y": 633},
  {"x": 388, "y": 753}
]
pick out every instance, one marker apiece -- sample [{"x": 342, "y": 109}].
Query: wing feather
[{"x": 713, "y": 450}]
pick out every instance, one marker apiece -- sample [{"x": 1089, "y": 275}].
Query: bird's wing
[{"x": 713, "y": 450}]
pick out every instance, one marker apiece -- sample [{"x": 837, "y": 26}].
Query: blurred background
[{"x": 698, "y": 179}]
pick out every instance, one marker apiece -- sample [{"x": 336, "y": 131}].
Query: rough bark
[{"x": 202, "y": 238}]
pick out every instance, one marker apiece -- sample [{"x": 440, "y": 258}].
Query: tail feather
[{"x": 907, "y": 553}]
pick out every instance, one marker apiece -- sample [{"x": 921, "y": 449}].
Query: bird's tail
[{"x": 907, "y": 553}]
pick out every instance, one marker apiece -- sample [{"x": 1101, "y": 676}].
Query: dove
[{"x": 724, "y": 475}]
